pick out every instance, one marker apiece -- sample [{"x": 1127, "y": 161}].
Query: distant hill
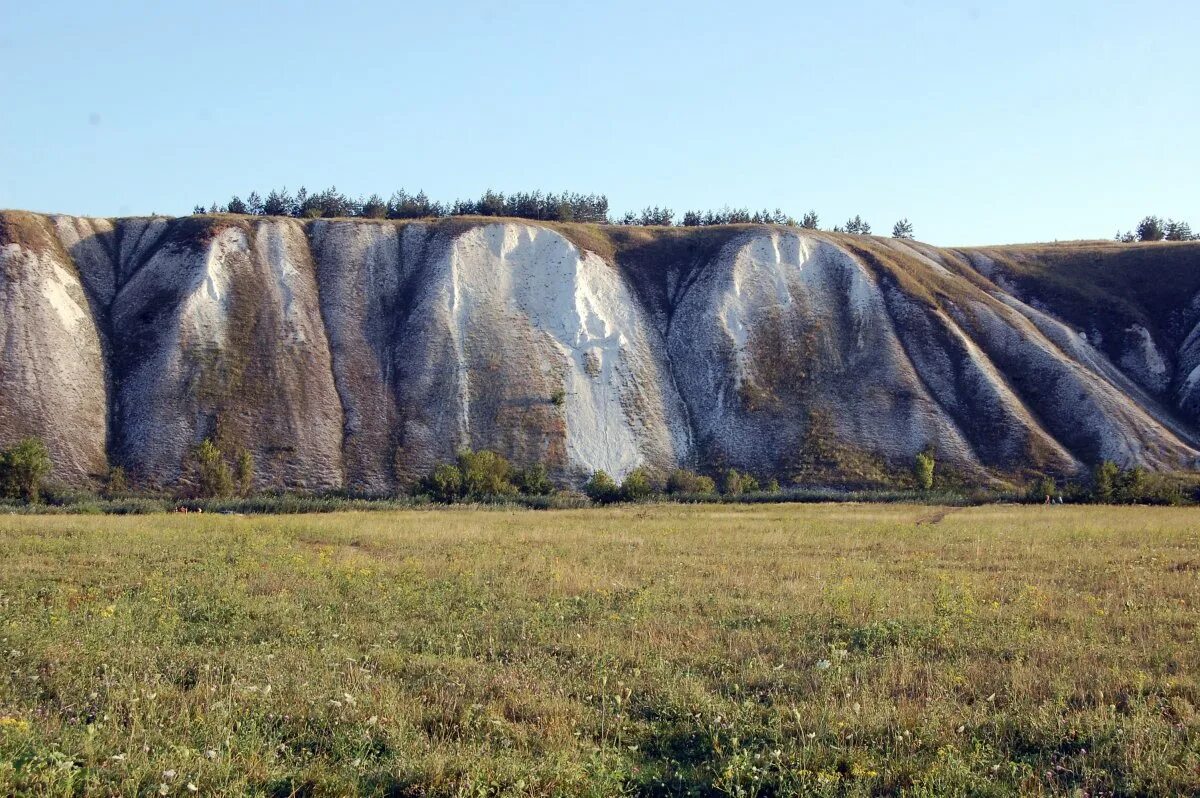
[{"x": 360, "y": 353}]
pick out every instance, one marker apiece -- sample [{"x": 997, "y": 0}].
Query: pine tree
[
  {"x": 902, "y": 229},
  {"x": 278, "y": 203},
  {"x": 1150, "y": 229},
  {"x": 1178, "y": 231},
  {"x": 855, "y": 226}
]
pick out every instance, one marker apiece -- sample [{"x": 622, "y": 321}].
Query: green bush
[
  {"x": 213, "y": 478},
  {"x": 534, "y": 481},
  {"x": 485, "y": 475},
  {"x": 1112, "y": 484},
  {"x": 445, "y": 483},
  {"x": 117, "y": 485},
  {"x": 23, "y": 468},
  {"x": 245, "y": 472},
  {"x": 637, "y": 486},
  {"x": 601, "y": 488},
  {"x": 705, "y": 485},
  {"x": 923, "y": 470},
  {"x": 683, "y": 481},
  {"x": 1132, "y": 486},
  {"x": 731, "y": 482},
  {"x": 750, "y": 483},
  {"x": 1042, "y": 488}
]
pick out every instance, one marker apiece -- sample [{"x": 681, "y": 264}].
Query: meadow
[{"x": 740, "y": 650}]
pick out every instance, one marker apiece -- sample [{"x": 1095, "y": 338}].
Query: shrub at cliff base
[{"x": 23, "y": 468}]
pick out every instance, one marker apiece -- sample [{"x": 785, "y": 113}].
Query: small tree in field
[
  {"x": 23, "y": 468},
  {"x": 902, "y": 229},
  {"x": 923, "y": 470}
]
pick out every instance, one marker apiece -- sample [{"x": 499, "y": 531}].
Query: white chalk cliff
[{"x": 359, "y": 354}]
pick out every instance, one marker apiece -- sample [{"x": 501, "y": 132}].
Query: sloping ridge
[{"x": 359, "y": 354}]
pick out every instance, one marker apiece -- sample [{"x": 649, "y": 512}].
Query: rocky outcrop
[{"x": 359, "y": 354}]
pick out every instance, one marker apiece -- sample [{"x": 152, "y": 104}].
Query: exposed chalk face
[
  {"x": 1144, "y": 362},
  {"x": 504, "y": 336},
  {"x": 1077, "y": 393},
  {"x": 361, "y": 269},
  {"x": 51, "y": 366},
  {"x": 512, "y": 287},
  {"x": 783, "y": 325},
  {"x": 223, "y": 338},
  {"x": 360, "y": 354}
]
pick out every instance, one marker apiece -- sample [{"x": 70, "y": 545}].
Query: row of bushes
[
  {"x": 485, "y": 476},
  {"x": 641, "y": 484},
  {"x": 482, "y": 476},
  {"x": 565, "y": 207},
  {"x": 1111, "y": 484}
]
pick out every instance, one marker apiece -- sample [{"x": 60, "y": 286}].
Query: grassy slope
[
  {"x": 832, "y": 649},
  {"x": 1107, "y": 286}
]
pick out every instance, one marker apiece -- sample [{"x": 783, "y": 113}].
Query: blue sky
[{"x": 983, "y": 122}]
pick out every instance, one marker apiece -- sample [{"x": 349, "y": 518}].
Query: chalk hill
[{"x": 361, "y": 353}]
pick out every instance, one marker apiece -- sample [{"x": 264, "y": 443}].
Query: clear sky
[{"x": 983, "y": 122}]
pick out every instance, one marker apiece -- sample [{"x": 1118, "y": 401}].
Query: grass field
[{"x": 662, "y": 650}]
